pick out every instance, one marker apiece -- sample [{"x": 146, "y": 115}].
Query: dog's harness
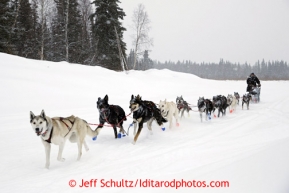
[
  {"x": 183, "y": 105},
  {"x": 69, "y": 128},
  {"x": 166, "y": 114},
  {"x": 50, "y": 136},
  {"x": 105, "y": 118}
]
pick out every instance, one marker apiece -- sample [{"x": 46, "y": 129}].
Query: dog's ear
[
  {"x": 32, "y": 116},
  {"x": 106, "y": 98},
  {"x": 132, "y": 96},
  {"x": 165, "y": 101},
  {"x": 98, "y": 99},
  {"x": 139, "y": 97},
  {"x": 43, "y": 114}
]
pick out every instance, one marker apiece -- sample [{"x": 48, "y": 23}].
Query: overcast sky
[{"x": 207, "y": 30}]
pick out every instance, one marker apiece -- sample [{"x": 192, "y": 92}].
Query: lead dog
[
  {"x": 57, "y": 130},
  {"x": 168, "y": 111}
]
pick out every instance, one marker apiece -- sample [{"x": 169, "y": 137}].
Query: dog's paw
[
  {"x": 47, "y": 166},
  {"x": 133, "y": 142}
]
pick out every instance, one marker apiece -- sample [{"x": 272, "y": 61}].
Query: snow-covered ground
[{"x": 248, "y": 148}]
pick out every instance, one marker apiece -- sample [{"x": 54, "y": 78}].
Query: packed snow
[{"x": 249, "y": 149}]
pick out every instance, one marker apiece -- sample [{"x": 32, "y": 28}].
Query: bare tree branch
[{"x": 141, "y": 27}]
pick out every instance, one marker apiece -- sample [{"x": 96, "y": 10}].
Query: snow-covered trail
[{"x": 248, "y": 148}]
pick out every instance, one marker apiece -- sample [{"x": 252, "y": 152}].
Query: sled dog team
[{"x": 57, "y": 130}]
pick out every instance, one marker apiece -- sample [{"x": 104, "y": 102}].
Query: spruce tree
[
  {"x": 106, "y": 18},
  {"x": 130, "y": 60},
  {"x": 57, "y": 38},
  {"x": 74, "y": 32},
  {"x": 23, "y": 33},
  {"x": 6, "y": 18},
  {"x": 66, "y": 29}
]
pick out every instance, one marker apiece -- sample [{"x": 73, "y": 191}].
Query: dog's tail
[
  {"x": 159, "y": 118},
  {"x": 92, "y": 133}
]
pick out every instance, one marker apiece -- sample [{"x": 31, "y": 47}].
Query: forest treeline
[
  {"x": 225, "y": 70},
  {"x": 77, "y": 32}
]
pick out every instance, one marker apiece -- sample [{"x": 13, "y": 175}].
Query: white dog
[
  {"x": 232, "y": 102},
  {"x": 58, "y": 129},
  {"x": 169, "y": 110}
]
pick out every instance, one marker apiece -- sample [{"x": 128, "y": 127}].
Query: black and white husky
[
  {"x": 112, "y": 114},
  {"x": 144, "y": 111},
  {"x": 246, "y": 100},
  {"x": 183, "y": 106},
  {"x": 220, "y": 102},
  {"x": 205, "y": 105}
]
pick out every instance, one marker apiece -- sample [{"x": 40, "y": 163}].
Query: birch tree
[
  {"x": 86, "y": 51},
  {"x": 141, "y": 27},
  {"x": 45, "y": 10}
]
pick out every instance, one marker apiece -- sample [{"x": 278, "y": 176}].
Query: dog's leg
[
  {"x": 171, "y": 121},
  {"x": 201, "y": 116},
  {"x": 121, "y": 130},
  {"x": 134, "y": 126},
  {"x": 214, "y": 112},
  {"x": 115, "y": 131},
  {"x": 47, "y": 147},
  {"x": 61, "y": 147},
  {"x": 149, "y": 124},
  {"x": 182, "y": 114},
  {"x": 79, "y": 144},
  {"x": 140, "y": 126},
  {"x": 85, "y": 145},
  {"x": 177, "y": 118},
  {"x": 242, "y": 105}
]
